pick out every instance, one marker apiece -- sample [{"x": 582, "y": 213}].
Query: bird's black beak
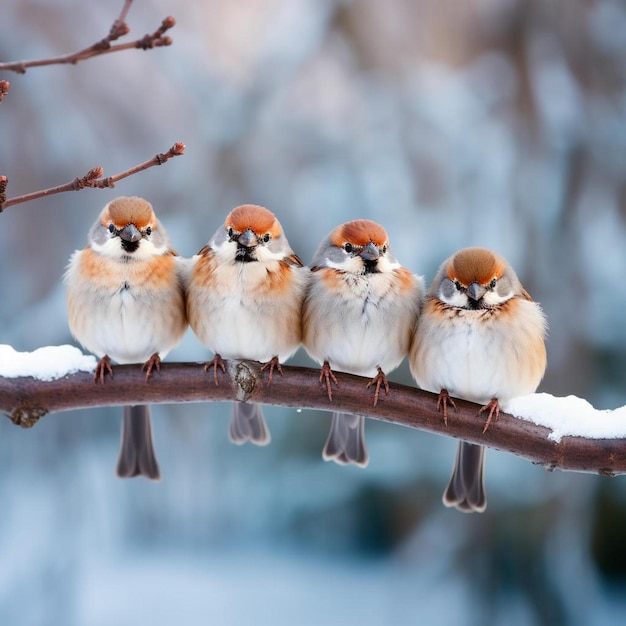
[
  {"x": 370, "y": 256},
  {"x": 370, "y": 252},
  {"x": 246, "y": 246},
  {"x": 475, "y": 291},
  {"x": 247, "y": 239},
  {"x": 130, "y": 233}
]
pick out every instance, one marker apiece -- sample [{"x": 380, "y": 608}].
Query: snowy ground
[{"x": 259, "y": 588}]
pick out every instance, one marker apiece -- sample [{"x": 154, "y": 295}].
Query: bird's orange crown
[
  {"x": 359, "y": 233},
  {"x": 257, "y": 218},
  {"x": 475, "y": 264},
  {"x": 123, "y": 211}
]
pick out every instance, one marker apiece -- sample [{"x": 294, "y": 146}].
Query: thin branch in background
[
  {"x": 93, "y": 179},
  {"x": 118, "y": 29},
  {"x": 119, "y": 24},
  {"x": 3, "y": 190},
  {"x": 4, "y": 88},
  {"x": 26, "y": 400}
]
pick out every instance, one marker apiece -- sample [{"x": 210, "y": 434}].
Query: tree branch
[
  {"x": 118, "y": 29},
  {"x": 25, "y": 400},
  {"x": 93, "y": 178}
]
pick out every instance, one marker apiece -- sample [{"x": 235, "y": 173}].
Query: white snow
[
  {"x": 47, "y": 363},
  {"x": 569, "y": 416}
]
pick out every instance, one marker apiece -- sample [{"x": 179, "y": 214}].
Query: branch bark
[
  {"x": 25, "y": 400},
  {"x": 118, "y": 29},
  {"x": 4, "y": 88},
  {"x": 93, "y": 179}
]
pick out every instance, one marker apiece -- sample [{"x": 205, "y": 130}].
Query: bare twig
[
  {"x": 25, "y": 400},
  {"x": 3, "y": 190},
  {"x": 93, "y": 178},
  {"x": 118, "y": 29},
  {"x": 4, "y": 88},
  {"x": 120, "y": 21}
]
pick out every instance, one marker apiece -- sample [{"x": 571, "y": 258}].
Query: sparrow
[
  {"x": 244, "y": 301},
  {"x": 480, "y": 338},
  {"x": 125, "y": 302},
  {"x": 359, "y": 315}
]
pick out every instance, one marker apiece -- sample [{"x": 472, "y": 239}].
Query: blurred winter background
[{"x": 485, "y": 122}]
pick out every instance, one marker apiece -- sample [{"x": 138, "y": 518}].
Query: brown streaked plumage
[
  {"x": 206, "y": 275},
  {"x": 405, "y": 280},
  {"x": 146, "y": 276}
]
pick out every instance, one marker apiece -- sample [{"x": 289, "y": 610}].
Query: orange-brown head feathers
[
  {"x": 359, "y": 248},
  {"x": 128, "y": 210},
  {"x": 128, "y": 226},
  {"x": 476, "y": 278},
  {"x": 256, "y": 218},
  {"x": 251, "y": 233},
  {"x": 475, "y": 265},
  {"x": 359, "y": 233}
]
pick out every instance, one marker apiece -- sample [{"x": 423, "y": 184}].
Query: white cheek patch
[
  {"x": 350, "y": 264},
  {"x": 110, "y": 248},
  {"x": 147, "y": 250},
  {"x": 226, "y": 251},
  {"x": 265, "y": 255},
  {"x": 493, "y": 298},
  {"x": 385, "y": 265},
  {"x": 354, "y": 264},
  {"x": 113, "y": 249},
  {"x": 457, "y": 299},
  {"x": 334, "y": 265}
]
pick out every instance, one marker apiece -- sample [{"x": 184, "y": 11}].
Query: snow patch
[
  {"x": 47, "y": 363},
  {"x": 569, "y": 416}
]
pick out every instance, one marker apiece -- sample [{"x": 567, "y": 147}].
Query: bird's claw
[
  {"x": 327, "y": 375},
  {"x": 154, "y": 362},
  {"x": 378, "y": 380},
  {"x": 214, "y": 363},
  {"x": 494, "y": 409},
  {"x": 273, "y": 364},
  {"x": 442, "y": 404},
  {"x": 102, "y": 369}
]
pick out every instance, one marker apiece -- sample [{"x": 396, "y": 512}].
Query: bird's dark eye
[
  {"x": 148, "y": 231},
  {"x": 492, "y": 284},
  {"x": 266, "y": 237},
  {"x": 111, "y": 228},
  {"x": 458, "y": 285},
  {"x": 348, "y": 247},
  {"x": 384, "y": 249},
  {"x": 230, "y": 233}
]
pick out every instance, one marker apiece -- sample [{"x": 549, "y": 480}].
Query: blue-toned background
[{"x": 485, "y": 122}]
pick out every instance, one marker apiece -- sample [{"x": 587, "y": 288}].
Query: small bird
[
  {"x": 244, "y": 301},
  {"x": 359, "y": 316},
  {"x": 125, "y": 301},
  {"x": 480, "y": 338}
]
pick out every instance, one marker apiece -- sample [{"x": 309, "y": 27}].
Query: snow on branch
[
  {"x": 93, "y": 179},
  {"x": 557, "y": 433},
  {"x": 118, "y": 29}
]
